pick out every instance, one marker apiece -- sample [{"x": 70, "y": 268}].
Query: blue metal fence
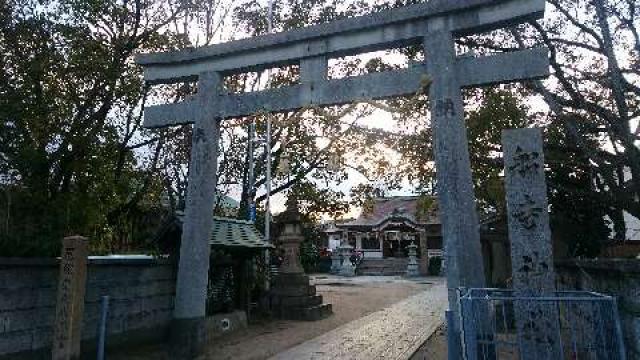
[{"x": 502, "y": 325}]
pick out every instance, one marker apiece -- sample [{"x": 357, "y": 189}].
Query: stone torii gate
[{"x": 434, "y": 24}]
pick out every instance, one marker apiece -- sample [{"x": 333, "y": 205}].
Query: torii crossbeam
[{"x": 434, "y": 24}]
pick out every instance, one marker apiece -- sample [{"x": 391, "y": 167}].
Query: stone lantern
[
  {"x": 347, "y": 268},
  {"x": 290, "y": 239},
  {"x": 336, "y": 261},
  {"x": 412, "y": 266},
  {"x": 293, "y": 297}
]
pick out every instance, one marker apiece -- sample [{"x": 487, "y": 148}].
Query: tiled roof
[
  {"x": 236, "y": 233},
  {"x": 401, "y": 207}
]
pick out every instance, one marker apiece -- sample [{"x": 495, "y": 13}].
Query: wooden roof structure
[{"x": 236, "y": 233}]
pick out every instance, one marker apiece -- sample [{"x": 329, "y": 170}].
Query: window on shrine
[
  {"x": 370, "y": 242},
  {"x": 434, "y": 242},
  {"x": 392, "y": 235},
  {"x": 352, "y": 239}
]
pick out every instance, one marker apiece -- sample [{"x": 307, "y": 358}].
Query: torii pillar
[
  {"x": 188, "y": 331},
  {"x": 454, "y": 183}
]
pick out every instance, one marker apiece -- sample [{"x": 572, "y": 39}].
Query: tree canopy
[{"x": 74, "y": 158}]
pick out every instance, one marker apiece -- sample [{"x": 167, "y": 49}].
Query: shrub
[
  {"x": 309, "y": 257},
  {"x": 435, "y": 265}
]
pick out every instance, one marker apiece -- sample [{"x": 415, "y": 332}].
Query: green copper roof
[{"x": 237, "y": 233}]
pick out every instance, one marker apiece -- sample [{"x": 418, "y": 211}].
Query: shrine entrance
[
  {"x": 395, "y": 242},
  {"x": 435, "y": 25},
  {"x": 388, "y": 240}
]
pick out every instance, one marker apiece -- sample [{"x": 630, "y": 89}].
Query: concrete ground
[
  {"x": 435, "y": 348},
  {"x": 395, "y": 332},
  {"x": 374, "y": 317},
  {"x": 352, "y": 299}
]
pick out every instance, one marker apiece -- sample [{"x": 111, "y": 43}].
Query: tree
[
  {"x": 73, "y": 155},
  {"x": 593, "y": 94},
  {"x": 497, "y": 109},
  {"x": 310, "y": 139},
  {"x": 592, "y": 97},
  {"x": 75, "y": 159}
]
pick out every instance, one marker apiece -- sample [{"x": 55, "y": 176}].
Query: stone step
[
  {"x": 302, "y": 301},
  {"x": 389, "y": 259},
  {"x": 383, "y": 273},
  {"x": 290, "y": 280},
  {"x": 380, "y": 271},
  {"x": 388, "y": 266},
  {"x": 384, "y": 262},
  {"x": 318, "y": 312},
  {"x": 306, "y": 313},
  {"x": 383, "y": 267},
  {"x": 373, "y": 266}
]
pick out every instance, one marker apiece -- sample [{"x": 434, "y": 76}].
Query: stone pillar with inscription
[
  {"x": 531, "y": 248},
  {"x": 67, "y": 329}
]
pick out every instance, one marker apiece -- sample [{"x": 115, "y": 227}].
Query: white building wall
[
  {"x": 334, "y": 241},
  {"x": 633, "y": 227}
]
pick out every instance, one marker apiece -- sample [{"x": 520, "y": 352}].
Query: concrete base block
[
  {"x": 336, "y": 263},
  {"x": 294, "y": 298},
  {"x": 188, "y": 338},
  {"x": 290, "y": 280},
  {"x": 347, "y": 269},
  {"x": 413, "y": 270},
  {"x": 222, "y": 324},
  {"x": 308, "y": 290}
]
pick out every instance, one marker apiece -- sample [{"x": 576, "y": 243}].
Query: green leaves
[
  {"x": 496, "y": 110},
  {"x": 69, "y": 119}
]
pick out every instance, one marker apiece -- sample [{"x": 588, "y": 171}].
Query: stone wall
[
  {"x": 617, "y": 277},
  {"x": 141, "y": 291}
]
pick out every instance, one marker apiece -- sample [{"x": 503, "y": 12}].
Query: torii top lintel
[{"x": 310, "y": 47}]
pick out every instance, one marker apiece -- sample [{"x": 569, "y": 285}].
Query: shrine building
[{"x": 388, "y": 225}]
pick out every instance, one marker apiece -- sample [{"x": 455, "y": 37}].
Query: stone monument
[
  {"x": 531, "y": 247},
  {"x": 67, "y": 328},
  {"x": 292, "y": 296},
  {"x": 412, "y": 266}
]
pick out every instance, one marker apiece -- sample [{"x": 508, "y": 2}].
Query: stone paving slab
[{"x": 393, "y": 333}]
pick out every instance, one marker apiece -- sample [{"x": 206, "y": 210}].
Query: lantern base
[{"x": 293, "y": 298}]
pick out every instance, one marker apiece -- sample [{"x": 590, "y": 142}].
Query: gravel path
[{"x": 393, "y": 333}]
